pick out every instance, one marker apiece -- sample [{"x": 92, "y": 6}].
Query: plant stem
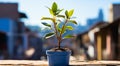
[
  {"x": 59, "y": 41},
  {"x": 60, "y": 37},
  {"x": 56, "y": 32}
]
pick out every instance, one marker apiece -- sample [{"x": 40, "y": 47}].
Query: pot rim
[{"x": 48, "y": 52}]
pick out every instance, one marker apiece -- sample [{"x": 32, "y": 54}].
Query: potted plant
[{"x": 59, "y": 56}]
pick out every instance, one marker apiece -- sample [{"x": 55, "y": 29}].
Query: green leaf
[
  {"x": 58, "y": 11},
  {"x": 63, "y": 31},
  {"x": 69, "y": 27},
  {"x": 54, "y": 7},
  {"x": 73, "y": 21},
  {"x": 68, "y": 36},
  {"x": 61, "y": 16},
  {"x": 46, "y": 24},
  {"x": 66, "y": 13},
  {"x": 50, "y": 11},
  {"x": 70, "y": 13},
  {"x": 49, "y": 35},
  {"x": 59, "y": 30},
  {"x": 46, "y": 18}
]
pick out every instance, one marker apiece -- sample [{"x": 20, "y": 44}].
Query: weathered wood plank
[{"x": 45, "y": 63}]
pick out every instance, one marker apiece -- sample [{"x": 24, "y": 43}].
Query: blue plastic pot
[{"x": 56, "y": 58}]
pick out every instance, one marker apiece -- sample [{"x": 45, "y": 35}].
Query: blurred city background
[{"x": 97, "y": 35}]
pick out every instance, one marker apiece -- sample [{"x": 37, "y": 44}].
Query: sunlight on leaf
[
  {"x": 69, "y": 27},
  {"x": 50, "y": 11},
  {"x": 68, "y": 36},
  {"x": 63, "y": 30},
  {"x": 46, "y": 18},
  {"x": 70, "y": 13}
]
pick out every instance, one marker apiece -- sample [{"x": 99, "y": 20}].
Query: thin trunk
[
  {"x": 56, "y": 33},
  {"x": 59, "y": 44},
  {"x": 60, "y": 37}
]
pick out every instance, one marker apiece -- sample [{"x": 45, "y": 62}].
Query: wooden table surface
[{"x": 45, "y": 63}]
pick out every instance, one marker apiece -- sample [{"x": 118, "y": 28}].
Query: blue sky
[{"x": 84, "y": 9}]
